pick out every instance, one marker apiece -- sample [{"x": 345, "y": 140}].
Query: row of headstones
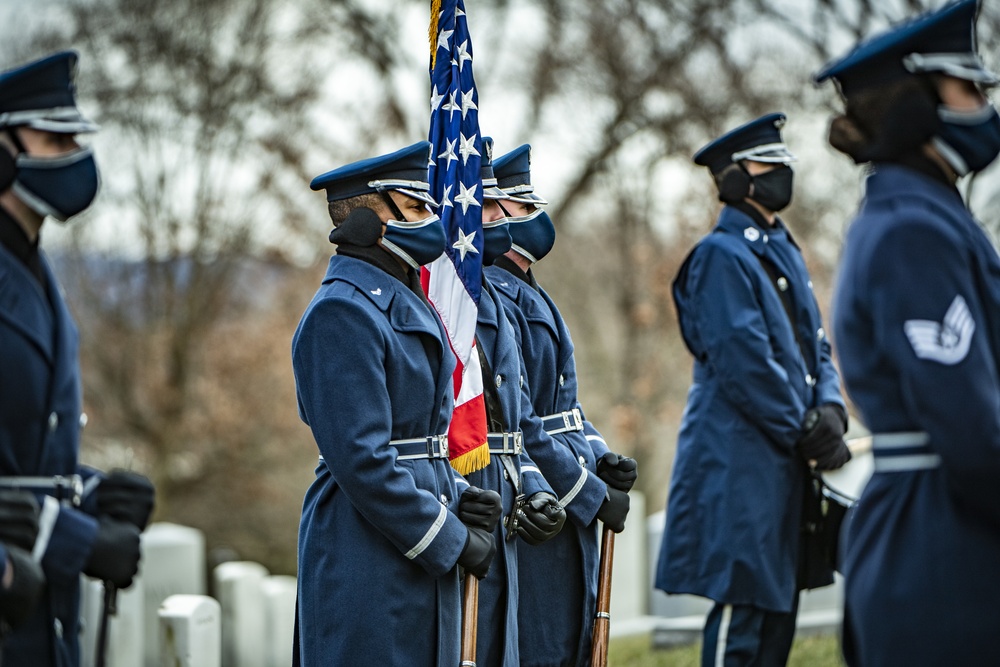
[{"x": 166, "y": 618}]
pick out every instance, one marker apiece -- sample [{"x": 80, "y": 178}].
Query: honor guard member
[
  {"x": 380, "y": 535},
  {"x": 85, "y": 519},
  {"x": 765, "y": 400},
  {"x": 529, "y": 506},
  {"x": 557, "y": 579},
  {"x": 917, "y": 325}
]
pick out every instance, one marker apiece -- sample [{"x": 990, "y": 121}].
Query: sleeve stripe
[
  {"x": 429, "y": 535},
  {"x": 46, "y": 523},
  {"x": 533, "y": 469},
  {"x": 568, "y": 498},
  {"x": 592, "y": 438}
]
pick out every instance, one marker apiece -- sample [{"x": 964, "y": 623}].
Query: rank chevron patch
[{"x": 946, "y": 342}]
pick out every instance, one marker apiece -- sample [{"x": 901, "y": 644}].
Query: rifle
[
  {"x": 470, "y": 620},
  {"x": 602, "y": 619}
]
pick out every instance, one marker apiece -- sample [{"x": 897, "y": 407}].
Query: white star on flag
[
  {"x": 468, "y": 147},
  {"x": 445, "y": 200},
  {"x": 436, "y": 98},
  {"x": 467, "y": 103},
  {"x": 467, "y": 196},
  {"x": 449, "y": 152},
  {"x": 450, "y": 106},
  {"x": 443, "y": 38},
  {"x": 464, "y": 244},
  {"x": 463, "y": 54}
]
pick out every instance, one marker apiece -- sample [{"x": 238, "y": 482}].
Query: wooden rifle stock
[
  {"x": 470, "y": 620},
  {"x": 602, "y": 619}
]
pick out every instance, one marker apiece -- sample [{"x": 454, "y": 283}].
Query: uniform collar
[
  {"x": 13, "y": 238},
  {"x": 889, "y": 180},
  {"x": 368, "y": 279},
  {"x": 511, "y": 267},
  {"x": 487, "y": 311},
  {"x": 734, "y": 221}
]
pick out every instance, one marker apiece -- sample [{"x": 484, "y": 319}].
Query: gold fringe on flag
[
  {"x": 471, "y": 461},
  {"x": 432, "y": 32}
]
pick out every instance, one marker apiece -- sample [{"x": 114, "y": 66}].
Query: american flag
[{"x": 454, "y": 281}]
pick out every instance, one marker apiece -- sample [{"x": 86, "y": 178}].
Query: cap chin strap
[{"x": 391, "y": 203}]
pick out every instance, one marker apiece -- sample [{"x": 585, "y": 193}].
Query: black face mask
[{"x": 773, "y": 189}]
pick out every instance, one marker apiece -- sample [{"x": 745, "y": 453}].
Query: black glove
[
  {"x": 114, "y": 555},
  {"x": 18, "y": 518},
  {"x": 479, "y": 508},
  {"x": 617, "y": 471},
  {"x": 542, "y": 517},
  {"x": 126, "y": 496},
  {"x": 480, "y": 547},
  {"x": 822, "y": 438},
  {"x": 614, "y": 510},
  {"x": 19, "y": 599}
]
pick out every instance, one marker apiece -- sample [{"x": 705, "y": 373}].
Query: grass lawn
[{"x": 822, "y": 651}]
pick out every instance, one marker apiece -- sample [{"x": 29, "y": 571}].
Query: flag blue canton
[{"x": 456, "y": 145}]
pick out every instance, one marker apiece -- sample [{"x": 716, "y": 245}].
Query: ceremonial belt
[
  {"x": 509, "y": 444},
  {"x": 429, "y": 447},
  {"x": 64, "y": 488},
  {"x": 904, "y": 451},
  {"x": 563, "y": 422}
]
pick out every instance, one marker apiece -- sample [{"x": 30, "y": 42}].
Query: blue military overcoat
[
  {"x": 40, "y": 400},
  {"x": 917, "y": 325},
  {"x": 558, "y": 579},
  {"x": 379, "y": 537},
  {"x": 733, "y": 514},
  {"x": 496, "y": 640}
]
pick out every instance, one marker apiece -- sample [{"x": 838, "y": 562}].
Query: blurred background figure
[
  {"x": 84, "y": 525},
  {"x": 917, "y": 326},
  {"x": 765, "y": 401}
]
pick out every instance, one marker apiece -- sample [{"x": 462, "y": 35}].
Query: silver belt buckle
[
  {"x": 518, "y": 442},
  {"x": 443, "y": 440},
  {"x": 70, "y": 488},
  {"x": 577, "y": 423}
]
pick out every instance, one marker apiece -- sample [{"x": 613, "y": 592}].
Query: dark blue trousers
[{"x": 745, "y": 636}]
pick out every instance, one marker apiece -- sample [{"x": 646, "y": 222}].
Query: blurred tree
[{"x": 206, "y": 112}]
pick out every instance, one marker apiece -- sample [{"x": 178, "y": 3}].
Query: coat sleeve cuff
[
  {"x": 584, "y": 499},
  {"x": 66, "y": 536},
  {"x": 442, "y": 544}
]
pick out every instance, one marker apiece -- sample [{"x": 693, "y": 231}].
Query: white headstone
[
  {"x": 126, "y": 629},
  {"x": 173, "y": 563},
  {"x": 629, "y": 583},
  {"x": 190, "y": 631},
  {"x": 279, "y": 618},
  {"x": 238, "y": 588}
]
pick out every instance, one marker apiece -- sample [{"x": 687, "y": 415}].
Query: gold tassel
[
  {"x": 432, "y": 32},
  {"x": 472, "y": 461}
]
